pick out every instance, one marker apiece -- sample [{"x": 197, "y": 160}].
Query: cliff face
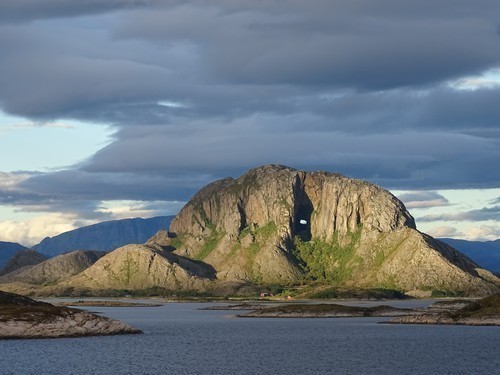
[{"x": 276, "y": 225}]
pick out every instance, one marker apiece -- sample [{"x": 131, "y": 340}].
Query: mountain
[
  {"x": 7, "y": 251},
  {"x": 104, "y": 236},
  {"x": 141, "y": 267},
  {"x": 21, "y": 260},
  {"x": 54, "y": 269},
  {"x": 278, "y": 225},
  {"x": 486, "y": 254}
]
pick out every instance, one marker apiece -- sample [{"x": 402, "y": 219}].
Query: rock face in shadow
[
  {"x": 22, "y": 317},
  {"x": 275, "y": 224},
  {"x": 23, "y": 259},
  {"x": 138, "y": 267}
]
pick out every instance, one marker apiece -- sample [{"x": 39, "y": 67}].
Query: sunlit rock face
[{"x": 275, "y": 224}]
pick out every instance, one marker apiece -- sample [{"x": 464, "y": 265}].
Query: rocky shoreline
[
  {"x": 106, "y": 303},
  {"x": 24, "y": 318},
  {"x": 483, "y": 312},
  {"x": 326, "y": 310},
  {"x": 443, "y": 319}
]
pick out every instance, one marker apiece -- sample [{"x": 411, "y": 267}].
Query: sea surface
[{"x": 179, "y": 338}]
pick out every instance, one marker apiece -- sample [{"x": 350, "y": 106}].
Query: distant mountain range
[
  {"x": 486, "y": 254},
  {"x": 7, "y": 251},
  {"x": 105, "y": 236}
]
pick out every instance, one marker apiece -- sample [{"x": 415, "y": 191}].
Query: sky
[{"x": 125, "y": 108}]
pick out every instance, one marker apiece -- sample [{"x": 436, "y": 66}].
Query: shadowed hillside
[{"x": 7, "y": 251}]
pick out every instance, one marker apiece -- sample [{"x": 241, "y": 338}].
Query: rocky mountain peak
[
  {"x": 276, "y": 224},
  {"x": 309, "y": 204}
]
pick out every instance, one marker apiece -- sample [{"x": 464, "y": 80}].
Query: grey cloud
[
  {"x": 13, "y": 11},
  {"x": 75, "y": 184},
  {"x": 484, "y": 214},
  {"x": 67, "y": 84},
  {"x": 430, "y": 160},
  {"x": 81, "y": 193},
  {"x": 328, "y": 44},
  {"x": 110, "y": 74},
  {"x": 423, "y": 199}
]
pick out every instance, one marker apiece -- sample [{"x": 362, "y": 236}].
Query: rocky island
[
  {"x": 481, "y": 312},
  {"x": 312, "y": 234},
  {"x": 325, "y": 310},
  {"x": 25, "y": 318}
]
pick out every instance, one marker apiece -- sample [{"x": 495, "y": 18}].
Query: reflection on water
[{"x": 181, "y": 339}]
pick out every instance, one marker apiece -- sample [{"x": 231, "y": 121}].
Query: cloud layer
[{"x": 389, "y": 92}]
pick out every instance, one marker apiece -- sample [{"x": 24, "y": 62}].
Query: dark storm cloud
[
  {"x": 205, "y": 54},
  {"x": 72, "y": 184},
  {"x": 79, "y": 192},
  {"x": 484, "y": 214},
  {"x": 325, "y": 43},
  {"x": 13, "y": 11},
  {"x": 199, "y": 91},
  {"x": 54, "y": 78}
]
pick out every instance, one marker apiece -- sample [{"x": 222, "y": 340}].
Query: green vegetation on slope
[
  {"x": 259, "y": 237},
  {"x": 210, "y": 243},
  {"x": 327, "y": 261}
]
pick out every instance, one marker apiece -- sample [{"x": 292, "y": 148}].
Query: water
[{"x": 180, "y": 339}]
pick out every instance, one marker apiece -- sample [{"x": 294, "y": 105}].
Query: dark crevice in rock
[
  {"x": 243, "y": 216},
  {"x": 303, "y": 210}
]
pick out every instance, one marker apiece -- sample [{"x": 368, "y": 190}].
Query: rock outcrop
[
  {"x": 275, "y": 224},
  {"x": 22, "y": 317},
  {"x": 139, "y": 267},
  {"x": 483, "y": 312}
]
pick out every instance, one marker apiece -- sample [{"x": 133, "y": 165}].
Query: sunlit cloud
[
  {"x": 483, "y": 214},
  {"x": 483, "y": 233},
  {"x": 423, "y": 199},
  {"x": 9, "y": 181},
  {"x": 129, "y": 209},
  {"x": 32, "y": 231},
  {"x": 444, "y": 232},
  {"x": 488, "y": 80}
]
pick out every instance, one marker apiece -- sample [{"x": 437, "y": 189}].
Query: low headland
[{"x": 24, "y": 318}]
